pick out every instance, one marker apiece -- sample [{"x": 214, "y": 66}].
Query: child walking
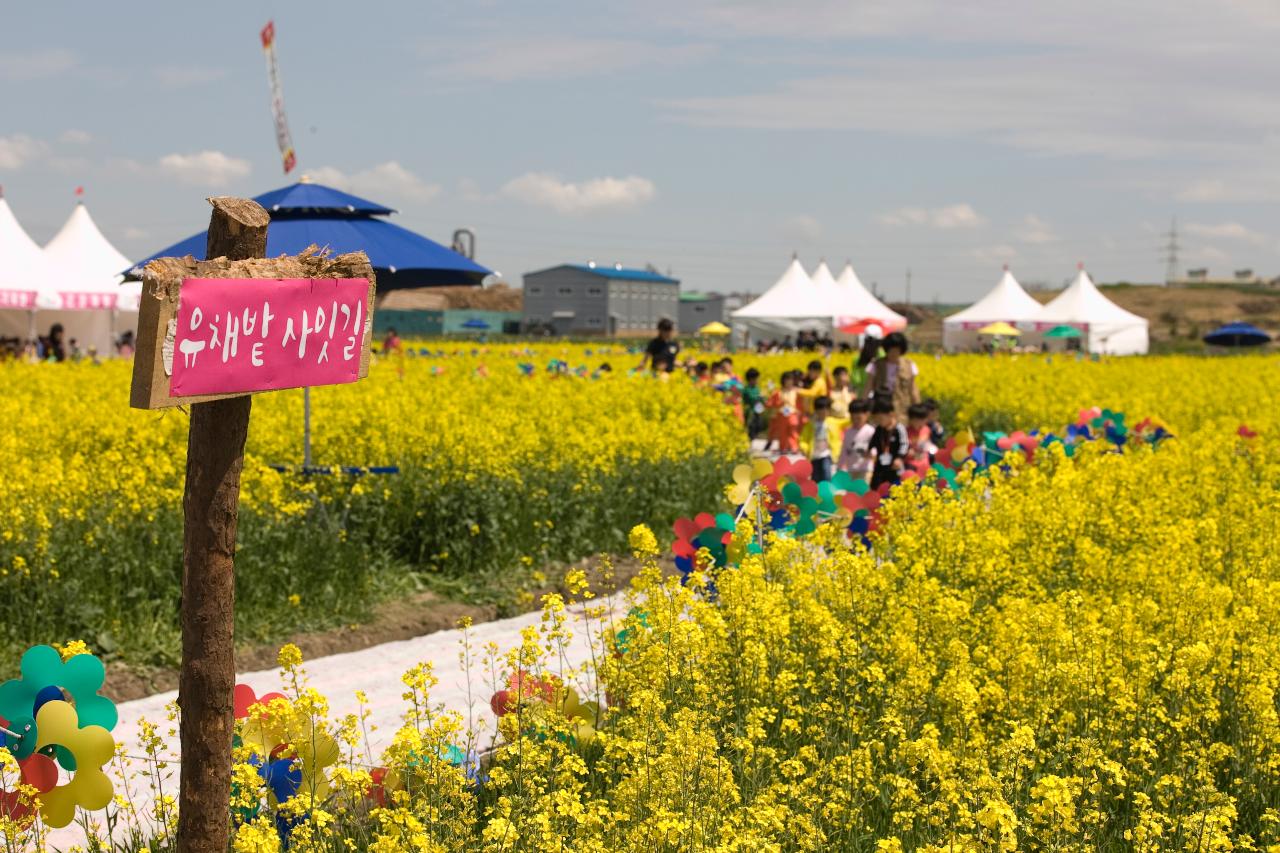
[
  {"x": 784, "y": 420},
  {"x": 888, "y": 445},
  {"x": 855, "y": 449},
  {"x": 753, "y": 405},
  {"x": 820, "y": 438},
  {"x": 841, "y": 393},
  {"x": 920, "y": 447}
]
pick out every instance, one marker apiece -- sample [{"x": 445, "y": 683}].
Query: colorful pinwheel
[{"x": 45, "y": 731}]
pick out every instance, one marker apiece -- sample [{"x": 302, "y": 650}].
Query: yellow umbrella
[
  {"x": 999, "y": 329},
  {"x": 715, "y": 328}
]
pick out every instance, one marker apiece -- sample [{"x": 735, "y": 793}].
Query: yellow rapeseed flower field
[
  {"x": 498, "y": 471},
  {"x": 1077, "y": 653}
]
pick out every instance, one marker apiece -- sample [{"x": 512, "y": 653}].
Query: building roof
[{"x": 615, "y": 271}]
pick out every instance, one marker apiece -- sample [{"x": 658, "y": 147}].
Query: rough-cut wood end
[
  {"x": 162, "y": 283},
  {"x": 245, "y": 211}
]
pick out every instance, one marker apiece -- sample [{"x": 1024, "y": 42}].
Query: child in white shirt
[{"x": 855, "y": 451}]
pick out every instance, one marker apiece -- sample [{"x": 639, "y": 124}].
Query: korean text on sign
[{"x": 244, "y": 335}]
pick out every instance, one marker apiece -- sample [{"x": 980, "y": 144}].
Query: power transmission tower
[{"x": 1171, "y": 250}]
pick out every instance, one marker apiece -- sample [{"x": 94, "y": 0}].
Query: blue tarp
[{"x": 310, "y": 214}]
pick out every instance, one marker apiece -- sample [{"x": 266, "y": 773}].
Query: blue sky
[{"x": 712, "y": 138}]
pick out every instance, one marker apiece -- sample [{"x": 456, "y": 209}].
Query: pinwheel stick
[{"x": 10, "y": 733}]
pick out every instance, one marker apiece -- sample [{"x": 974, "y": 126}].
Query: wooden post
[{"x": 215, "y": 456}]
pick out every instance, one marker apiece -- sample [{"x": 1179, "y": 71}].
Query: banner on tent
[
  {"x": 974, "y": 325},
  {"x": 25, "y": 299},
  {"x": 1044, "y": 327},
  {"x": 89, "y": 301}
]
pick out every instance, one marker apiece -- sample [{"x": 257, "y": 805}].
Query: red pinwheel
[
  {"x": 1246, "y": 433},
  {"x": 1027, "y": 443},
  {"x": 523, "y": 687},
  {"x": 40, "y": 772},
  {"x": 1087, "y": 416},
  {"x": 798, "y": 471},
  {"x": 244, "y": 698}
]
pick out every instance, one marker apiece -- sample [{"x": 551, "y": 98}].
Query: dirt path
[{"x": 398, "y": 619}]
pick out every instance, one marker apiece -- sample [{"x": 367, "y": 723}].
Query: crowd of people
[
  {"x": 804, "y": 341},
  {"x": 867, "y": 419},
  {"x": 57, "y": 347}
]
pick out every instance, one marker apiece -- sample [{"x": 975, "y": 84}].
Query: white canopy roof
[
  {"x": 87, "y": 269},
  {"x": 863, "y": 305},
  {"x": 792, "y": 296},
  {"x": 1108, "y": 327},
  {"x": 1082, "y": 302},
  {"x": 23, "y": 267},
  {"x": 1006, "y": 302}
]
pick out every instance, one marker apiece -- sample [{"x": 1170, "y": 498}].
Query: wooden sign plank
[{"x": 161, "y": 294}]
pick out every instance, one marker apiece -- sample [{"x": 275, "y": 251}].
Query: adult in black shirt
[{"x": 660, "y": 354}]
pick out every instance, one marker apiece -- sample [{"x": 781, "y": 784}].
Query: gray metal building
[
  {"x": 595, "y": 299},
  {"x": 699, "y": 309}
]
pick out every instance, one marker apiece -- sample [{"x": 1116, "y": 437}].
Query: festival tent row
[
  {"x": 74, "y": 281},
  {"x": 798, "y": 300},
  {"x": 1102, "y": 326}
]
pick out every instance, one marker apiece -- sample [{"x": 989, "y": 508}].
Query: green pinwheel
[
  {"x": 800, "y": 508},
  {"x": 946, "y": 478},
  {"x": 80, "y": 676}
]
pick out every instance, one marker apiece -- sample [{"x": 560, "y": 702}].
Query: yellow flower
[{"x": 643, "y": 542}]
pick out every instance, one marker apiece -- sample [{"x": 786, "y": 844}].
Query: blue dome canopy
[
  {"x": 1237, "y": 335},
  {"x": 307, "y": 214}
]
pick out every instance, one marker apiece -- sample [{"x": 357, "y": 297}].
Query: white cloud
[
  {"x": 1035, "y": 231},
  {"x": 181, "y": 77},
  {"x": 992, "y": 255},
  {"x": 802, "y": 228},
  {"x": 511, "y": 58},
  {"x": 75, "y": 137},
  {"x": 388, "y": 178},
  {"x": 19, "y": 149},
  {"x": 952, "y": 216},
  {"x": 34, "y": 65},
  {"x": 547, "y": 190},
  {"x": 133, "y": 232},
  {"x": 1228, "y": 231},
  {"x": 204, "y": 168},
  {"x": 1206, "y": 255},
  {"x": 1065, "y": 80}
]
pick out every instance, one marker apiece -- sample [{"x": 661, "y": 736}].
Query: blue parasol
[
  {"x": 306, "y": 214},
  {"x": 1237, "y": 335}
]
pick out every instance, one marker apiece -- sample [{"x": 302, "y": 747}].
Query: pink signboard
[{"x": 237, "y": 335}]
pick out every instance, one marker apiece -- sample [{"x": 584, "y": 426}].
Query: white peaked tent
[
  {"x": 24, "y": 271},
  {"x": 1107, "y": 327},
  {"x": 1007, "y": 302},
  {"x": 863, "y": 303},
  {"x": 94, "y": 307},
  {"x": 792, "y": 297}
]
